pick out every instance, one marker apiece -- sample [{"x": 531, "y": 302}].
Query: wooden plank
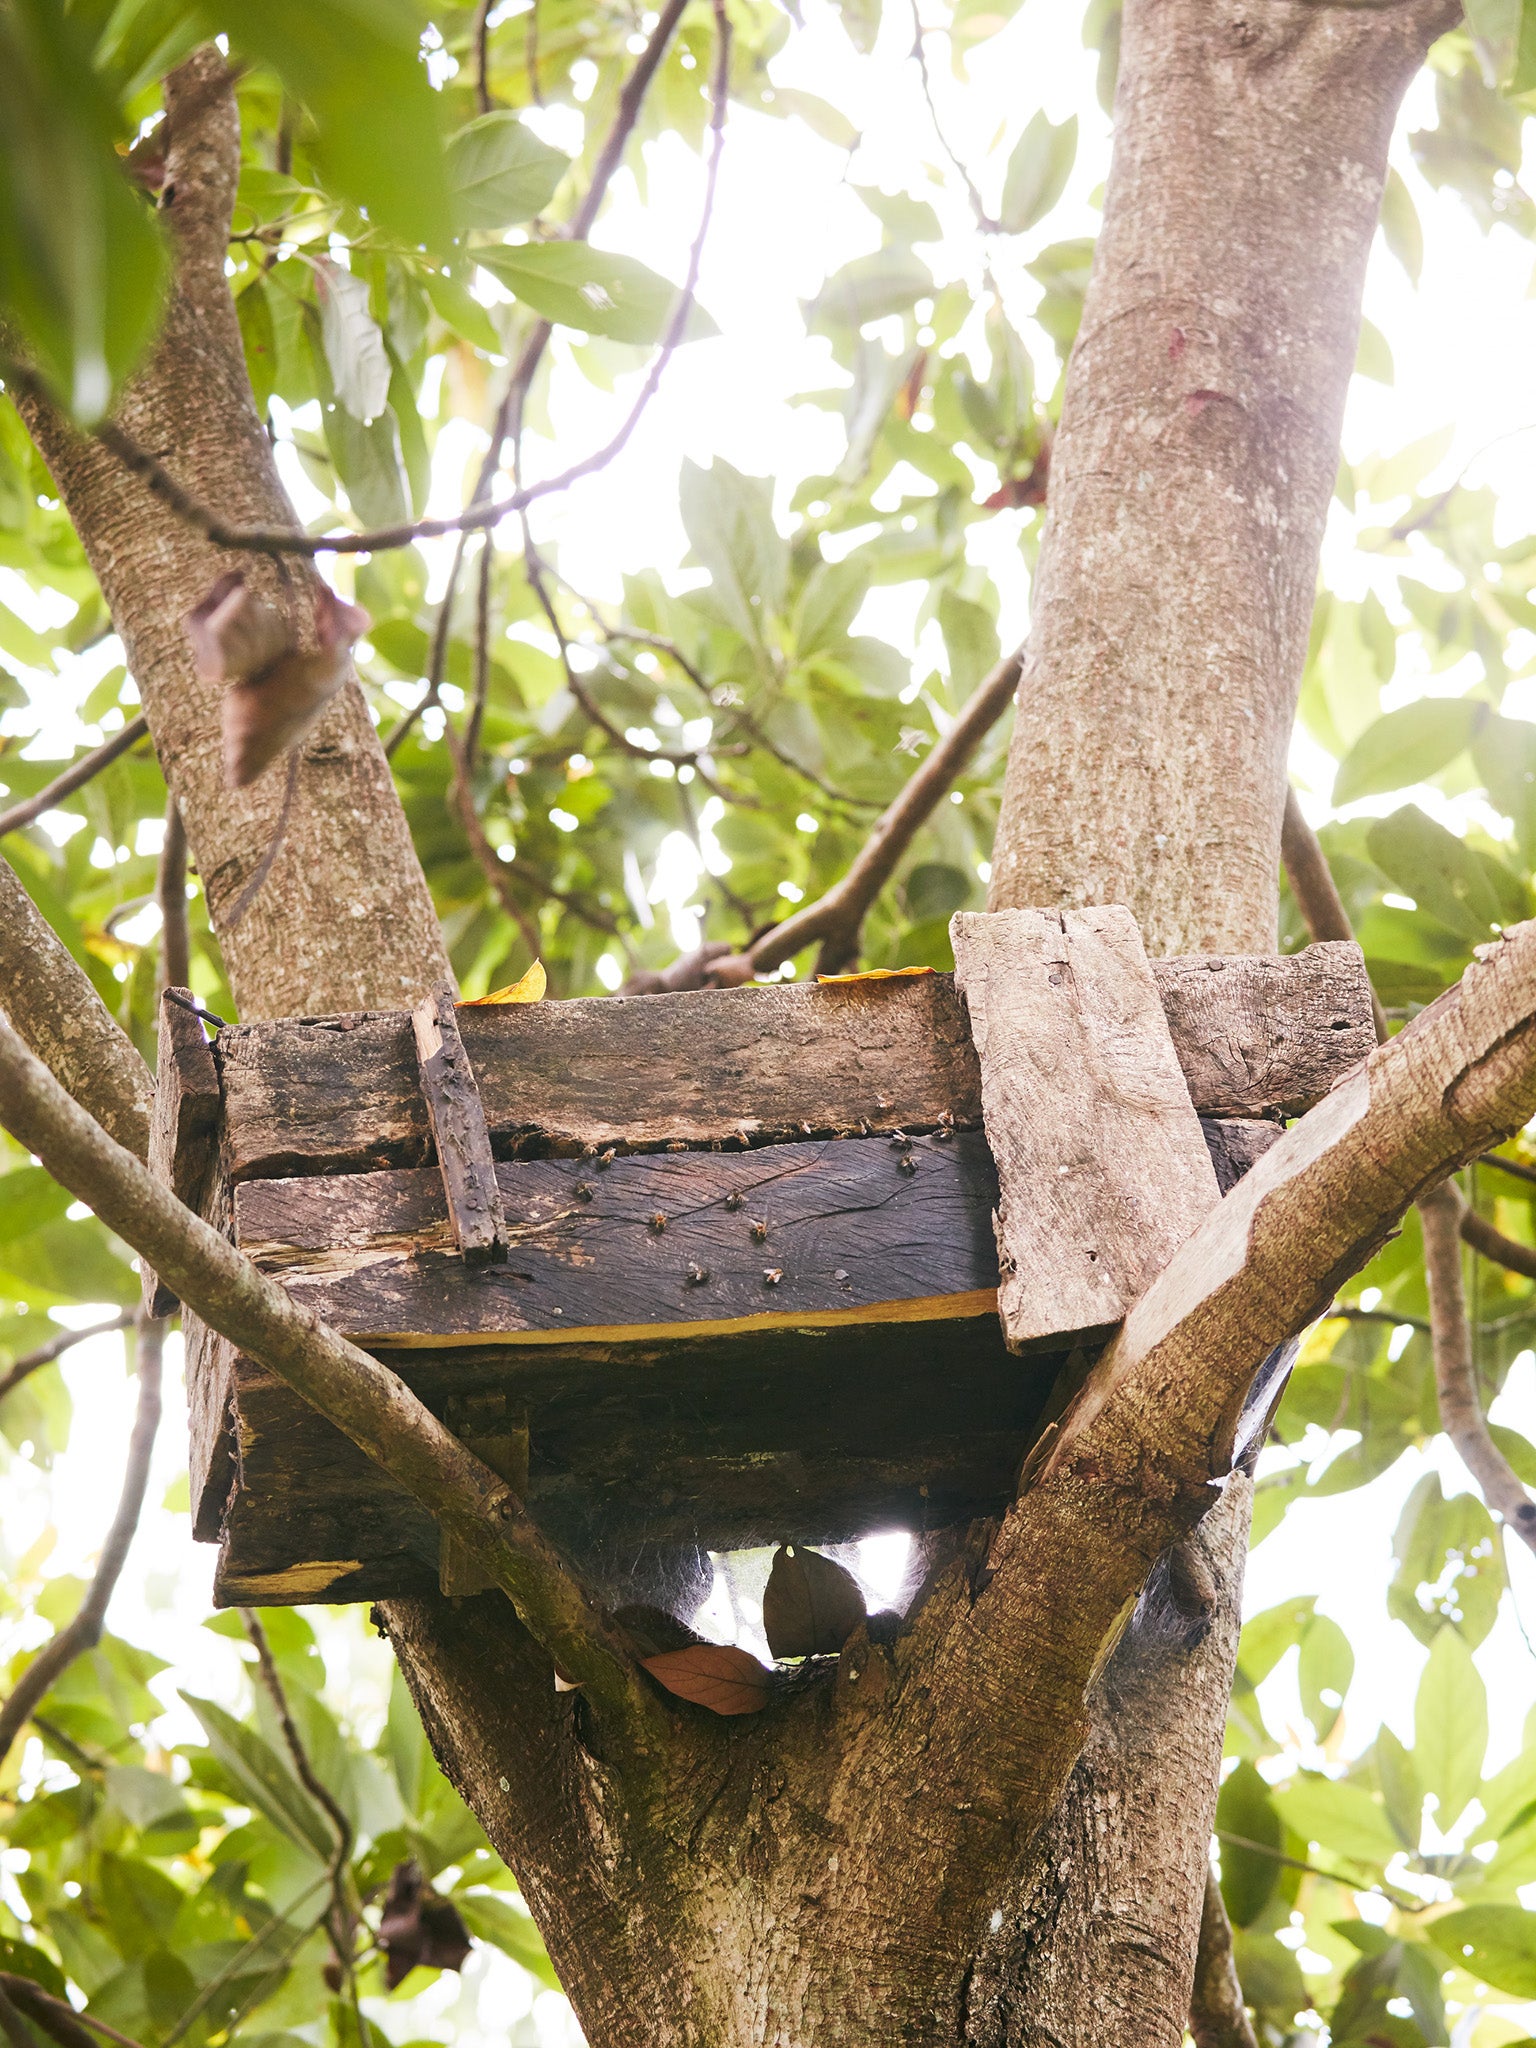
[
  {"x": 728, "y": 1441},
  {"x": 1267, "y": 1033},
  {"x": 748, "y": 1066},
  {"x": 459, "y": 1135},
  {"x": 184, "y": 1121},
  {"x": 1102, "y": 1168},
  {"x": 816, "y": 1234}
]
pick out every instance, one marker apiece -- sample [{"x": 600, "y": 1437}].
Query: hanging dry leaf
[
  {"x": 875, "y": 974},
  {"x": 419, "y": 1926},
  {"x": 528, "y": 989},
  {"x": 811, "y": 1605},
  {"x": 235, "y": 634},
  {"x": 267, "y": 713},
  {"x": 713, "y": 1675}
]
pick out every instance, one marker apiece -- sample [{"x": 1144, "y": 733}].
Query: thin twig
[
  {"x": 32, "y": 1361},
  {"x": 1512, "y": 1167},
  {"x": 237, "y": 1964},
  {"x": 53, "y": 2016},
  {"x": 1486, "y": 1238},
  {"x": 480, "y": 36},
  {"x": 171, "y": 895},
  {"x": 1218, "y": 2017},
  {"x": 1404, "y": 1901},
  {"x": 84, "y": 1631},
  {"x": 1316, "y": 893},
  {"x": 1342, "y": 1311},
  {"x": 984, "y": 220},
  {"x": 257, "y": 883},
  {"x": 837, "y": 917},
  {"x": 343, "y": 1927},
  {"x": 75, "y": 776},
  {"x": 1461, "y": 1410}
]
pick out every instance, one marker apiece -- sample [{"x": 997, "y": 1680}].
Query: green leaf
[
  {"x": 728, "y": 518},
  {"x": 868, "y": 288},
  {"x": 1442, "y": 874},
  {"x": 1038, "y": 171},
  {"x": 254, "y": 311},
  {"x": 1495, "y": 1943},
  {"x": 1248, "y": 1877},
  {"x": 1449, "y": 1564},
  {"x": 262, "y": 1780},
  {"x": 357, "y": 66},
  {"x": 1267, "y": 1637},
  {"x": 1373, "y": 357},
  {"x": 829, "y": 603},
  {"x": 861, "y": 21},
  {"x": 495, "y": 1919},
  {"x": 592, "y": 290},
  {"x": 458, "y": 309},
  {"x": 1400, "y": 227},
  {"x": 904, "y": 219},
  {"x": 1450, "y": 1727},
  {"x": 1338, "y": 1816},
  {"x": 500, "y": 173},
  {"x": 970, "y": 641},
  {"x": 1326, "y": 1666},
  {"x": 1401, "y": 1789},
  {"x": 1408, "y": 746},
  {"x": 354, "y": 347},
  {"x": 81, "y": 260},
  {"x": 1504, "y": 754}
]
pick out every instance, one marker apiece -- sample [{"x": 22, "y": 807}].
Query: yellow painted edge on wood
[
  {"x": 293, "y": 1582},
  {"x": 933, "y": 1308}
]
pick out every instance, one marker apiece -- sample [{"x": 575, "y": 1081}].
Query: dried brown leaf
[
  {"x": 811, "y": 1605},
  {"x": 419, "y": 1926},
  {"x": 267, "y": 713},
  {"x": 654, "y": 1631},
  {"x": 713, "y": 1675},
  {"x": 235, "y": 634}
]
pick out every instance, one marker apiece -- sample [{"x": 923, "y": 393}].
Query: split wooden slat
[
  {"x": 463, "y": 1143},
  {"x": 1256, "y": 1036},
  {"x": 1101, "y": 1165},
  {"x": 183, "y": 1127}
]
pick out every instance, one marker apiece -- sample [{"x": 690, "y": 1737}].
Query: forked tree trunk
[{"x": 922, "y": 1850}]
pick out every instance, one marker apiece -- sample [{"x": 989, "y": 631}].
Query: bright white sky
[{"x": 1463, "y": 346}]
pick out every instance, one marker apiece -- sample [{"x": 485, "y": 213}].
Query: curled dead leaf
[
  {"x": 528, "y": 988},
  {"x": 235, "y": 635},
  {"x": 419, "y": 1926},
  {"x": 268, "y": 710},
  {"x": 654, "y": 1631},
  {"x": 713, "y": 1675},
  {"x": 811, "y": 1605}
]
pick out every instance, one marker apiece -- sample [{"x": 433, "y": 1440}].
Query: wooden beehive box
[{"x": 750, "y": 1288}]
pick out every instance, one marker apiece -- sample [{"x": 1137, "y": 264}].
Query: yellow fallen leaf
[
  {"x": 876, "y": 974},
  {"x": 530, "y": 989}
]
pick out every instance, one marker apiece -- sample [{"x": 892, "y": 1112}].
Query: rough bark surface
[
  {"x": 1198, "y": 446},
  {"x": 344, "y": 919},
  {"x": 819, "y": 1875},
  {"x": 1190, "y": 482}
]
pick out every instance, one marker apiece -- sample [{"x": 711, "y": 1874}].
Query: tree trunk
[
  {"x": 344, "y": 921},
  {"x": 888, "y": 1855}
]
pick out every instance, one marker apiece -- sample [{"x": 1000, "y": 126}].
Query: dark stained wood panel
[
  {"x": 746, "y": 1066},
  {"x": 635, "y": 1448},
  {"x": 183, "y": 1122},
  {"x": 817, "y": 1233}
]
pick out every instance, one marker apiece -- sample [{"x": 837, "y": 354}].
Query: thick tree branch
[
  {"x": 52, "y": 1004},
  {"x": 32, "y": 1361},
  {"x": 54, "y": 2016},
  {"x": 1144, "y": 1449},
  {"x": 836, "y": 918},
  {"x": 1488, "y": 1239},
  {"x": 363, "y": 1398},
  {"x": 1443, "y": 1214},
  {"x": 1217, "y": 2016},
  {"x": 76, "y": 776},
  {"x": 84, "y": 1631}
]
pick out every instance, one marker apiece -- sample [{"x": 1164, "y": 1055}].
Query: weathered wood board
[
  {"x": 1255, "y": 1036},
  {"x": 636, "y": 1448},
  {"x": 459, "y": 1136},
  {"x": 1102, "y": 1169},
  {"x": 811, "y": 1235},
  {"x": 183, "y": 1123}
]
